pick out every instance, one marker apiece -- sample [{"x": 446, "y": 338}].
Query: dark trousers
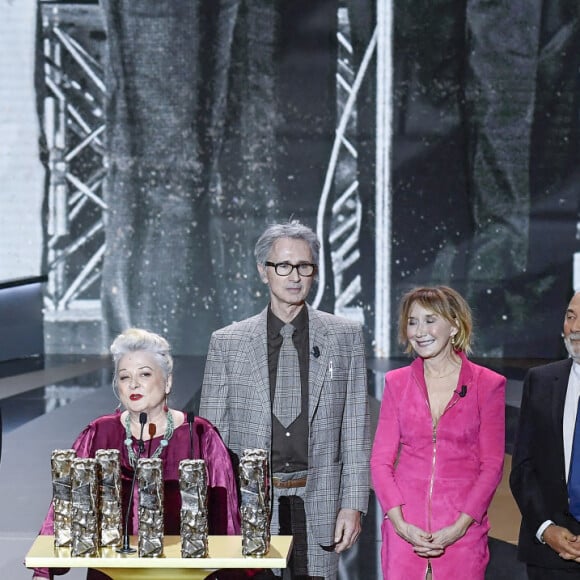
[{"x": 539, "y": 573}]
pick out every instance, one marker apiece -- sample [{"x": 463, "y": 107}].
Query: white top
[{"x": 570, "y": 409}]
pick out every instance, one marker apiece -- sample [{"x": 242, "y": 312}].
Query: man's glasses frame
[{"x": 305, "y": 269}]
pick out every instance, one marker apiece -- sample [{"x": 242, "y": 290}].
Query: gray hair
[
  {"x": 135, "y": 339},
  {"x": 294, "y": 230}
]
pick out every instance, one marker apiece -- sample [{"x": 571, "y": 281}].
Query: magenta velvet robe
[
  {"x": 464, "y": 467},
  {"x": 107, "y": 432}
]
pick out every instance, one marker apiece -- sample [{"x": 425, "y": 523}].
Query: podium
[{"x": 224, "y": 552}]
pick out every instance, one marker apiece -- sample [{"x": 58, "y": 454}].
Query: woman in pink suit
[{"x": 439, "y": 446}]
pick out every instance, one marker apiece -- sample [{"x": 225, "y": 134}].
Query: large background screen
[{"x": 146, "y": 144}]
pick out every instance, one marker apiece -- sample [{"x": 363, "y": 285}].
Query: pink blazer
[{"x": 437, "y": 475}]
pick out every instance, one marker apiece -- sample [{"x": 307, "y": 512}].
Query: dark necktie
[
  {"x": 286, "y": 405},
  {"x": 574, "y": 473}
]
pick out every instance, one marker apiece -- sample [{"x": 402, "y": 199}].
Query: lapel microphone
[
  {"x": 315, "y": 352},
  {"x": 126, "y": 548},
  {"x": 463, "y": 391}
]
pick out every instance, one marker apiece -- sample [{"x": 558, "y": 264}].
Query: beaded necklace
[{"x": 162, "y": 444}]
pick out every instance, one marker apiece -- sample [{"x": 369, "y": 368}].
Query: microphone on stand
[
  {"x": 190, "y": 420},
  {"x": 126, "y": 548}
]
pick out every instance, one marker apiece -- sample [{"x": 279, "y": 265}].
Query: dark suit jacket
[{"x": 538, "y": 478}]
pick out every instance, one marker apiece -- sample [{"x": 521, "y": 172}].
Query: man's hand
[
  {"x": 562, "y": 541},
  {"x": 347, "y": 529}
]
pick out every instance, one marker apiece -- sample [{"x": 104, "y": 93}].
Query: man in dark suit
[
  {"x": 319, "y": 456},
  {"x": 543, "y": 459}
]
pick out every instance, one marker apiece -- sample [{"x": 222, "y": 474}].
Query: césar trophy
[
  {"x": 110, "y": 524},
  {"x": 85, "y": 507},
  {"x": 60, "y": 465},
  {"x": 255, "y": 510},
  {"x": 194, "y": 522},
  {"x": 150, "y": 477}
]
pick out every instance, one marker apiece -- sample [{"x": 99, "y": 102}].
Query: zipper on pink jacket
[{"x": 451, "y": 403}]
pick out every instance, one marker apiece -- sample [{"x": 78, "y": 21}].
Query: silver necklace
[{"x": 162, "y": 444}]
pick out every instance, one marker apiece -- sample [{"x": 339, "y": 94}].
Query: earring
[
  {"x": 165, "y": 407},
  {"x": 454, "y": 340}
]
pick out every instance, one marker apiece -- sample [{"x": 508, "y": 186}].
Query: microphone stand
[
  {"x": 126, "y": 548},
  {"x": 190, "y": 420}
]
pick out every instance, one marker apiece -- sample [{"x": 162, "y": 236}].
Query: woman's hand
[
  {"x": 450, "y": 534},
  {"x": 422, "y": 541}
]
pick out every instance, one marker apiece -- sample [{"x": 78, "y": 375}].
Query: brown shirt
[{"x": 290, "y": 445}]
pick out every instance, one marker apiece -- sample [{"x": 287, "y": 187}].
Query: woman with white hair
[{"x": 143, "y": 378}]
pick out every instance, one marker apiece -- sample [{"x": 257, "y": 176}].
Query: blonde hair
[{"x": 446, "y": 302}]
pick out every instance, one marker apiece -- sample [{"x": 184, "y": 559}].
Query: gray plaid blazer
[{"x": 236, "y": 399}]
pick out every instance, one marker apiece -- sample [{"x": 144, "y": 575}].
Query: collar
[
  {"x": 300, "y": 322},
  {"x": 576, "y": 371}
]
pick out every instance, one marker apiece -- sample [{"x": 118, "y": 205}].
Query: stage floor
[{"x": 46, "y": 402}]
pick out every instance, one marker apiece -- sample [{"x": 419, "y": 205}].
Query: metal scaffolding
[{"x": 73, "y": 124}]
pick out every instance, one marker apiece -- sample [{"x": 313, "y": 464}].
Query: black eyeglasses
[{"x": 285, "y": 268}]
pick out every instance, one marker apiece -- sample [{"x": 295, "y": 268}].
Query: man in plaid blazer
[{"x": 319, "y": 462}]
